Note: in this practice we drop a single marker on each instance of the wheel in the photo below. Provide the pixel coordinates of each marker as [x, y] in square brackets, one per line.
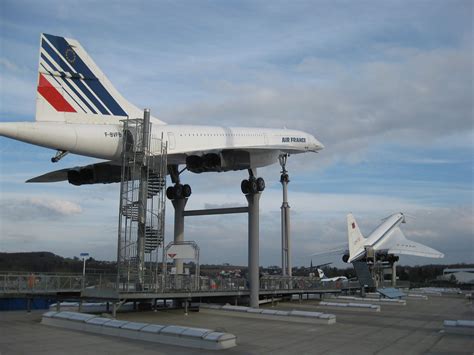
[244, 186]
[260, 184]
[253, 188]
[186, 191]
[170, 192]
[178, 191]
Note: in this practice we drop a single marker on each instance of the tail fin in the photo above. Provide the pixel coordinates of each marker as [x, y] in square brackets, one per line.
[321, 274]
[355, 238]
[72, 88]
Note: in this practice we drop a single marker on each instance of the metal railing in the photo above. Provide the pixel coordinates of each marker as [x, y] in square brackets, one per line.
[49, 283]
[39, 282]
[188, 283]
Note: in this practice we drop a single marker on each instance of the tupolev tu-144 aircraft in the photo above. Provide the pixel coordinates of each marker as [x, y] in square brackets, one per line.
[79, 111]
[387, 239]
[385, 243]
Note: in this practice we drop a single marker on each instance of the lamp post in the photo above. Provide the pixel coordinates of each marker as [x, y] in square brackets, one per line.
[84, 256]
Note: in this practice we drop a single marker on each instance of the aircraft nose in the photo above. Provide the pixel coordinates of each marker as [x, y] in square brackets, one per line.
[317, 145]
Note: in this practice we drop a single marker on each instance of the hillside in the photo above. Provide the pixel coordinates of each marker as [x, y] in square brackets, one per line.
[44, 261]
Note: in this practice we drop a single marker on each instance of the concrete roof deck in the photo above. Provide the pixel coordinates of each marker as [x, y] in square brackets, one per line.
[416, 328]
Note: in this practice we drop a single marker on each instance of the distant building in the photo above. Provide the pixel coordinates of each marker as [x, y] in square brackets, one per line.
[461, 275]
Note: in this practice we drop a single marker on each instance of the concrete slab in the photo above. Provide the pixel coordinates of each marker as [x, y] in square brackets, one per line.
[357, 307]
[459, 326]
[371, 300]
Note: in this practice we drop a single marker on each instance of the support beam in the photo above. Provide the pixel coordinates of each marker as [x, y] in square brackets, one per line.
[214, 211]
[253, 248]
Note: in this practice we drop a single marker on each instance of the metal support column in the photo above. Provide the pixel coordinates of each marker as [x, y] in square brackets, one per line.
[394, 274]
[253, 253]
[179, 204]
[285, 220]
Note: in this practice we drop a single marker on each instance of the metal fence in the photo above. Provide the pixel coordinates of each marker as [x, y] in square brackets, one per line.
[44, 282]
[39, 283]
[187, 283]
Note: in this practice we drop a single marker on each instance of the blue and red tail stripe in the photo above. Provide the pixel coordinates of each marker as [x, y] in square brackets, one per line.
[69, 85]
[60, 84]
[74, 77]
[53, 96]
[81, 75]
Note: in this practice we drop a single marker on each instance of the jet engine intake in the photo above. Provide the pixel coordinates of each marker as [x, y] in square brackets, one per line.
[195, 164]
[208, 162]
[211, 161]
[225, 161]
[94, 174]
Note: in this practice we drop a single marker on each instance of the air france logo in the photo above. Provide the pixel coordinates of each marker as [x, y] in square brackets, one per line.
[293, 140]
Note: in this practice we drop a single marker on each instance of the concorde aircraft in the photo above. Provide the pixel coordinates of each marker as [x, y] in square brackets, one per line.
[386, 240]
[79, 111]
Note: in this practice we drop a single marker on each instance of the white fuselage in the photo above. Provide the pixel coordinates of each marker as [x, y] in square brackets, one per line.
[105, 141]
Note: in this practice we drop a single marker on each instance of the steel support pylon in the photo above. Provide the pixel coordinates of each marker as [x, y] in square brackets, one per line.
[253, 247]
[285, 219]
[394, 274]
[179, 204]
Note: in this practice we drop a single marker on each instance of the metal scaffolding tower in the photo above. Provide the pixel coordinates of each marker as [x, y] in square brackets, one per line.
[142, 206]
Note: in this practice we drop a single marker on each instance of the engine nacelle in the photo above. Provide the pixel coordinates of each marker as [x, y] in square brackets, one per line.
[212, 161]
[95, 174]
[195, 164]
[392, 258]
[225, 161]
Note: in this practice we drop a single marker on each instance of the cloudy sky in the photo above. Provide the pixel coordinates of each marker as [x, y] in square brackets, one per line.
[386, 86]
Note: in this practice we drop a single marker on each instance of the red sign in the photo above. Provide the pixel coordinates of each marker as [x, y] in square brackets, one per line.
[172, 255]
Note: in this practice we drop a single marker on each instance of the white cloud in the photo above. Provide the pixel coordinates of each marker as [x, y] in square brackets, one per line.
[61, 207]
[38, 207]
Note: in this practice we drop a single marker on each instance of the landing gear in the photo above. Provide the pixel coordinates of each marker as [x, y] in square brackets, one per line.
[59, 155]
[252, 185]
[178, 191]
[178, 194]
